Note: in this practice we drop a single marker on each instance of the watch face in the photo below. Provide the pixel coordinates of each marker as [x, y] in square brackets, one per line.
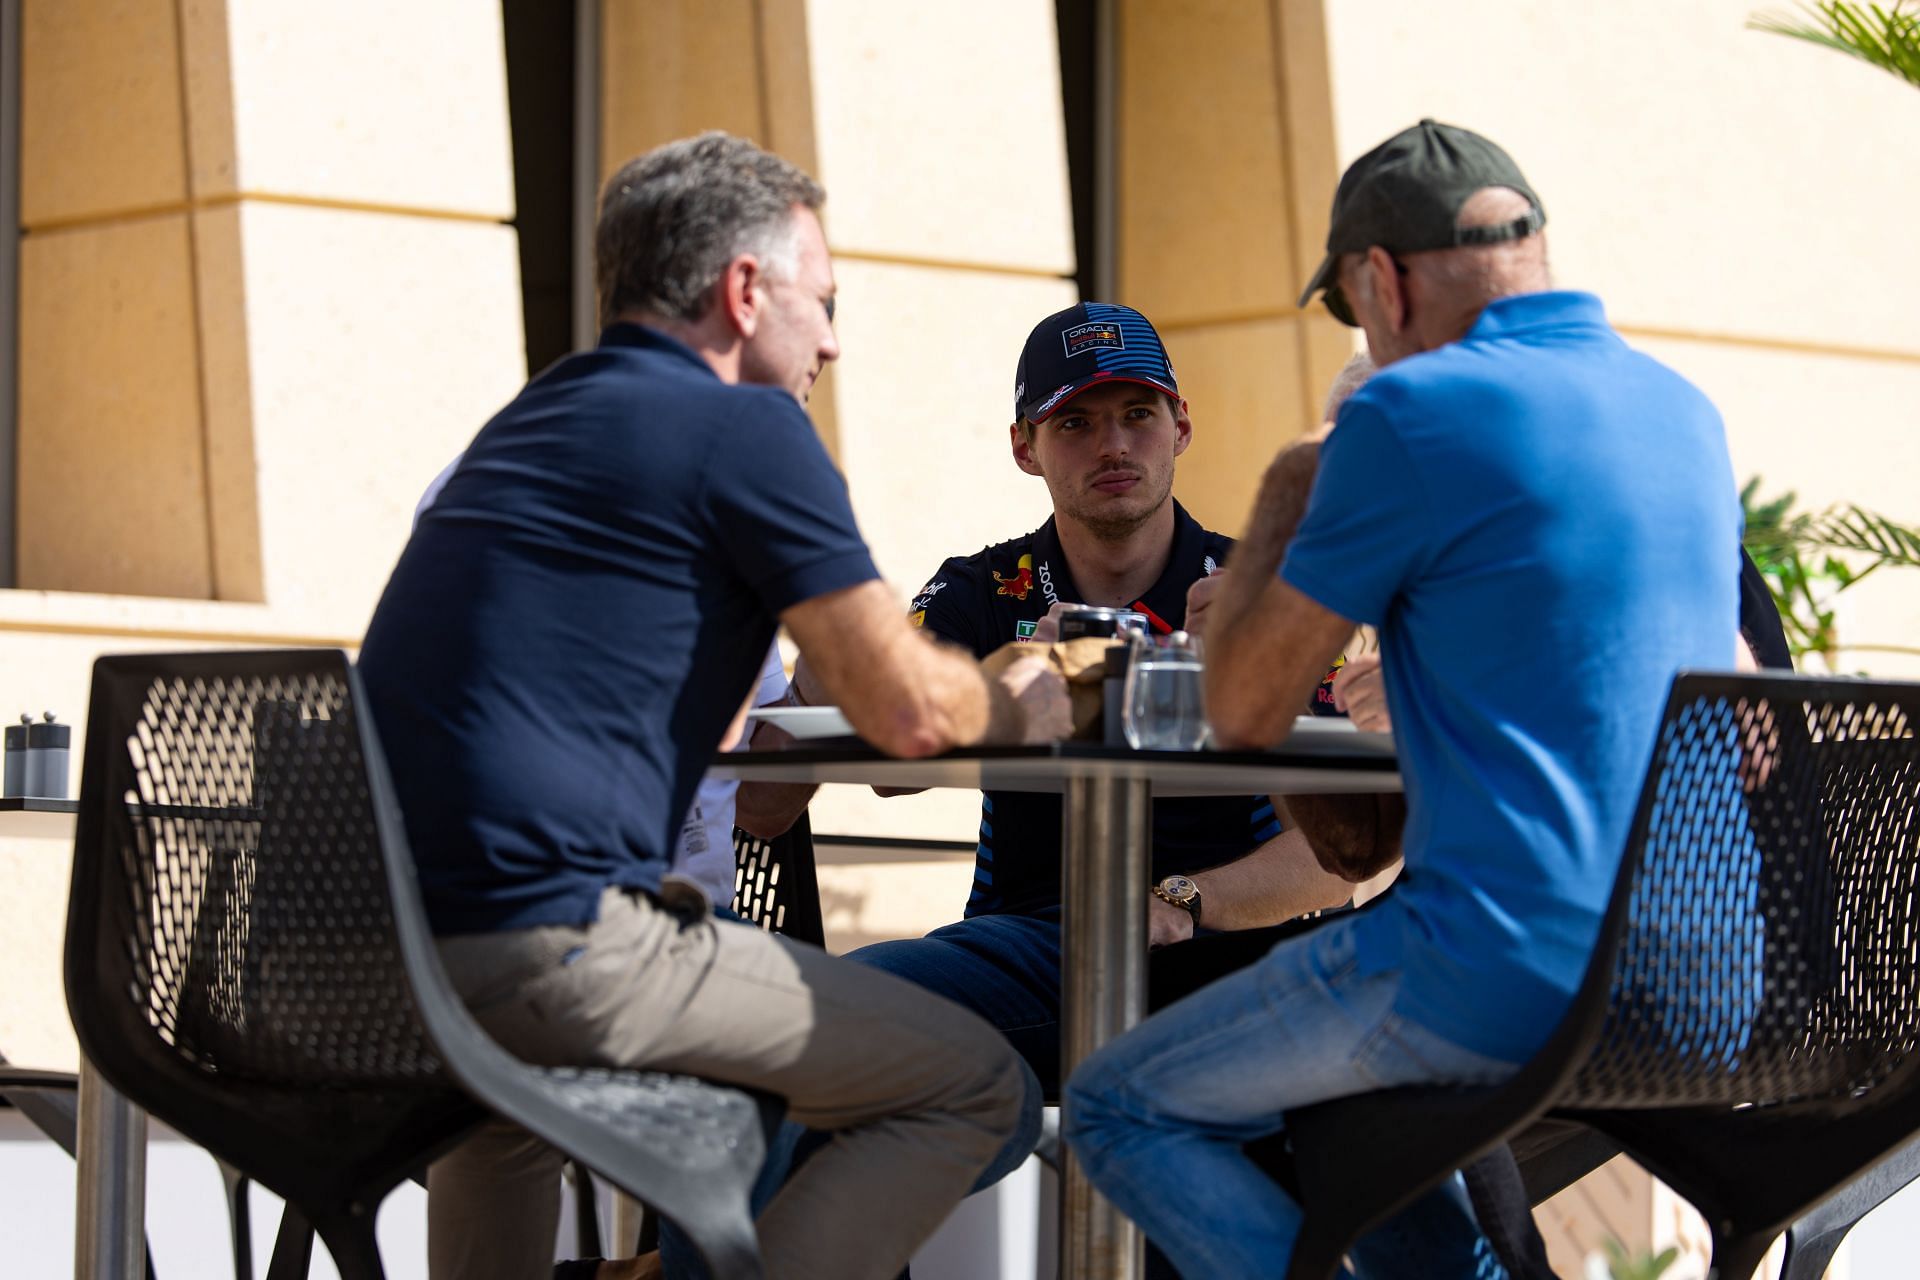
[1179, 887]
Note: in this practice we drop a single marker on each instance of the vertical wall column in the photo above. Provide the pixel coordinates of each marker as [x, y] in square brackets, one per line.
[1226, 174]
[268, 290]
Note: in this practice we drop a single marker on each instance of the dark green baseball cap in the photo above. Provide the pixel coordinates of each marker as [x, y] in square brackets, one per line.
[1405, 196]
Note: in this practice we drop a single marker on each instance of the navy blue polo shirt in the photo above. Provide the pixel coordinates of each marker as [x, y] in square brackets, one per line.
[576, 619]
[999, 594]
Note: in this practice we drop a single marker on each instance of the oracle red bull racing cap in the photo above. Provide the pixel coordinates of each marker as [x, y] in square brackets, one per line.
[1091, 342]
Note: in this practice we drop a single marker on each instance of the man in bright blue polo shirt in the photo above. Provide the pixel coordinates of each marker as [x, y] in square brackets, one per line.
[1537, 519]
[559, 651]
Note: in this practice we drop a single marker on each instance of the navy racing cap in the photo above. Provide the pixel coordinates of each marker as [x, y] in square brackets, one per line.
[1091, 342]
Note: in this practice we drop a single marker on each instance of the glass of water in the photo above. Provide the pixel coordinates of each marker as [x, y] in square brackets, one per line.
[1165, 707]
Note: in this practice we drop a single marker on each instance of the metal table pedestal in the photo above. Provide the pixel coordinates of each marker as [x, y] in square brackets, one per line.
[1104, 859]
[110, 1240]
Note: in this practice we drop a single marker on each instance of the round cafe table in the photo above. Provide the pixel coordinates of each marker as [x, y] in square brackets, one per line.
[1105, 837]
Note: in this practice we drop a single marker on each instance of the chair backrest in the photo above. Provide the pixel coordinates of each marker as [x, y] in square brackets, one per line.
[1766, 946]
[230, 908]
[775, 885]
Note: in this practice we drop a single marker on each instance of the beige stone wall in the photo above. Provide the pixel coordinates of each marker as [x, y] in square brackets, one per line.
[211, 195]
[267, 290]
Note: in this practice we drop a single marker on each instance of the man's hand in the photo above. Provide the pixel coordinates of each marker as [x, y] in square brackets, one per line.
[1360, 690]
[1166, 923]
[1041, 693]
[1047, 630]
[1200, 598]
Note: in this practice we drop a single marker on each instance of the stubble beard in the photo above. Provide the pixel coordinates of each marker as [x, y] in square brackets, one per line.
[1109, 525]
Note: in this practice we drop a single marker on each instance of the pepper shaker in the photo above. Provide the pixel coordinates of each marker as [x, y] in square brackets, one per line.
[16, 759]
[48, 745]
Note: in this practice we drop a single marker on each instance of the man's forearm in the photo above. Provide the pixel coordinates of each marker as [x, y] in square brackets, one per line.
[1282, 503]
[1268, 644]
[1271, 885]
[1277, 510]
[767, 809]
[1354, 837]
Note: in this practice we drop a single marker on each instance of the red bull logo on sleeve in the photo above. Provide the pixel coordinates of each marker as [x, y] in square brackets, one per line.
[1020, 584]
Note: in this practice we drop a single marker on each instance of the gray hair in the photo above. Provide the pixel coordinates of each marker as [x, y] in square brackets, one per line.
[672, 219]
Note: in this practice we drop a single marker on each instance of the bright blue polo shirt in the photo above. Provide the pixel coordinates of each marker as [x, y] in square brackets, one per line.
[1539, 520]
[578, 616]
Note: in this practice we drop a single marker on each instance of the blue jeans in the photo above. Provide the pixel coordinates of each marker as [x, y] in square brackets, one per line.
[1158, 1118]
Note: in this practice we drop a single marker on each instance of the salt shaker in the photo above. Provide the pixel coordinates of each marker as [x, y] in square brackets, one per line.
[16, 759]
[48, 745]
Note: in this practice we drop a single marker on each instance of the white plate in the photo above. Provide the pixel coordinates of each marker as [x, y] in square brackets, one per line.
[1336, 734]
[805, 722]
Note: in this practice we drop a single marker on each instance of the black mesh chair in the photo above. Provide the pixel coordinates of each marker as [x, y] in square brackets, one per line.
[1746, 1028]
[775, 885]
[230, 962]
[247, 958]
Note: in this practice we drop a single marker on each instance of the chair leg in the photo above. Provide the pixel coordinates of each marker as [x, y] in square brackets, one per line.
[355, 1248]
[1738, 1257]
[731, 1252]
[649, 1232]
[1315, 1257]
[239, 1219]
[586, 1214]
[292, 1248]
[1809, 1255]
[1048, 1147]
[718, 1223]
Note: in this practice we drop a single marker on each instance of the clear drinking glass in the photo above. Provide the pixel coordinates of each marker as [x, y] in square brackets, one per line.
[1165, 707]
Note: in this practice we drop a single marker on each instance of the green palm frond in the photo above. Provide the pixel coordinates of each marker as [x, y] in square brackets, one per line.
[1885, 37]
[1623, 1265]
[1854, 528]
[1808, 558]
[1773, 531]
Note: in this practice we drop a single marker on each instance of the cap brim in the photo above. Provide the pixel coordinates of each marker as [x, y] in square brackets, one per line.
[1060, 399]
[1329, 267]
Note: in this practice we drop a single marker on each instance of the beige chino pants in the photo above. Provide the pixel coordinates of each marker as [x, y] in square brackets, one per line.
[919, 1092]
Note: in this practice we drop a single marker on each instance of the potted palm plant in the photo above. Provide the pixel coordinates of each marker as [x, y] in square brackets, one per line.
[1809, 558]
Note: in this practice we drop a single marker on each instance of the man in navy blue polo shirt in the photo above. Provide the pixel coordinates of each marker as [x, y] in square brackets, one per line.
[559, 651]
[1485, 500]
